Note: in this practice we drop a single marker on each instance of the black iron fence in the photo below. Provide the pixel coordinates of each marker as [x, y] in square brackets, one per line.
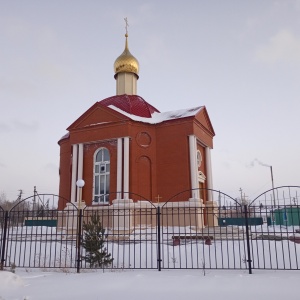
[222, 233]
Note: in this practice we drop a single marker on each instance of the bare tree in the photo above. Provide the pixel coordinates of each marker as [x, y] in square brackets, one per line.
[4, 202]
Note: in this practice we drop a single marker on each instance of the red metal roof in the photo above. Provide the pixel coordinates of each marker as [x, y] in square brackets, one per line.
[132, 104]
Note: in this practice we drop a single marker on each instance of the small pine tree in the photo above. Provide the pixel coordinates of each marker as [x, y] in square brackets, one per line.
[93, 243]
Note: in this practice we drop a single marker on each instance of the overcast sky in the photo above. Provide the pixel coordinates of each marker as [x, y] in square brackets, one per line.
[241, 59]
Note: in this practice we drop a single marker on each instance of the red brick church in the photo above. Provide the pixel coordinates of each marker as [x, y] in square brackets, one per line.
[124, 148]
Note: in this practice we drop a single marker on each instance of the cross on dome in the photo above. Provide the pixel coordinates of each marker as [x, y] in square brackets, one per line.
[126, 62]
[126, 26]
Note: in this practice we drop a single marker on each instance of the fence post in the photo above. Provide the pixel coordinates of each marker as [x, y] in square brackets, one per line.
[158, 214]
[4, 240]
[248, 239]
[79, 226]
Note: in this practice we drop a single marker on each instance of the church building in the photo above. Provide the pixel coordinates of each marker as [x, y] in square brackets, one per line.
[125, 149]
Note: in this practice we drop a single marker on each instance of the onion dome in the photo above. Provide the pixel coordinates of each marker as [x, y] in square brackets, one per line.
[131, 104]
[126, 62]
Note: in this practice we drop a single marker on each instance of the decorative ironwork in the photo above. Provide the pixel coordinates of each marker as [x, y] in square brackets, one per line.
[141, 234]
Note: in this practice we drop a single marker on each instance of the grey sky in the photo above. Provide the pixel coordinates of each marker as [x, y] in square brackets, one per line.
[241, 59]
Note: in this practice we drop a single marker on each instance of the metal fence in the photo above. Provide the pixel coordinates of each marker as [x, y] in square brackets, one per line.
[224, 234]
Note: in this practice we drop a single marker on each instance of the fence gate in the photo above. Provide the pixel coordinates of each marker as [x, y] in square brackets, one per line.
[275, 242]
[195, 236]
[40, 236]
[130, 234]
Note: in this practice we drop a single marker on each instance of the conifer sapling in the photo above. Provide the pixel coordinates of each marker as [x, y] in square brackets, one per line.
[93, 243]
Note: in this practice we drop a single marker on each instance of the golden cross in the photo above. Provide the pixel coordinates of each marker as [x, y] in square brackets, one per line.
[158, 197]
[126, 25]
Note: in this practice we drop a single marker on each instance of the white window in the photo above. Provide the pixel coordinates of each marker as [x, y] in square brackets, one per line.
[101, 176]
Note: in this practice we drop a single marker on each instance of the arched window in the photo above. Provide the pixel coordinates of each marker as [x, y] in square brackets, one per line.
[101, 176]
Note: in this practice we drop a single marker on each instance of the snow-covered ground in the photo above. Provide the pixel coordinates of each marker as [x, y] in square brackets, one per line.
[64, 283]
[44, 247]
[150, 284]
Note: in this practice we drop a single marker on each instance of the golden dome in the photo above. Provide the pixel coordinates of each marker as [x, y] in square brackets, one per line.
[126, 62]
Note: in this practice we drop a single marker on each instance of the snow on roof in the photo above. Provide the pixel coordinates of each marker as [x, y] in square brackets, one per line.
[159, 117]
[88, 125]
[156, 117]
[131, 104]
[65, 136]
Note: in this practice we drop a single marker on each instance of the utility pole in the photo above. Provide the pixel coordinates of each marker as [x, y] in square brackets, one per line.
[241, 195]
[20, 195]
[34, 194]
[273, 186]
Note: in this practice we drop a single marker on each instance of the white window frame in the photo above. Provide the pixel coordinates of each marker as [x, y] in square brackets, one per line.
[101, 169]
